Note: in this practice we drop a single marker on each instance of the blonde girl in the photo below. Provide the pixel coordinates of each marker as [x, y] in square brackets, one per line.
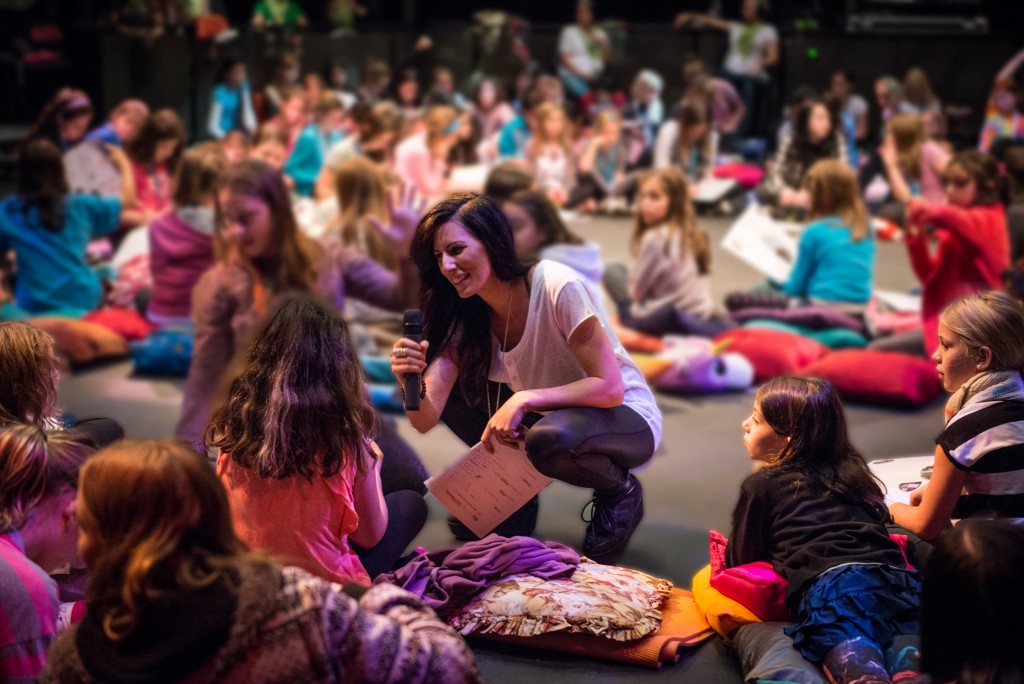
[549, 152]
[836, 255]
[978, 470]
[913, 164]
[362, 200]
[422, 159]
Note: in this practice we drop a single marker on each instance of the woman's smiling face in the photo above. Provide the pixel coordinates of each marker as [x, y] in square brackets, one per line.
[462, 258]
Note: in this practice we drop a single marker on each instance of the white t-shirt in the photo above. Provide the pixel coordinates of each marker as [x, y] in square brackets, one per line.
[559, 303]
[749, 64]
[856, 107]
[573, 42]
[341, 152]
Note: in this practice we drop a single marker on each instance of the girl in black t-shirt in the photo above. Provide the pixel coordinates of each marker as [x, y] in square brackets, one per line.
[815, 512]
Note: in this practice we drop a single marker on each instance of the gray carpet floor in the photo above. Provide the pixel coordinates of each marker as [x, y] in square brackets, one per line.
[690, 485]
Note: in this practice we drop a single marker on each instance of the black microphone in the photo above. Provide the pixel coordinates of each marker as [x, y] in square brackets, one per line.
[412, 328]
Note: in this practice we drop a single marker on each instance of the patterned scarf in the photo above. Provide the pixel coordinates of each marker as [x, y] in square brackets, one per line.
[988, 386]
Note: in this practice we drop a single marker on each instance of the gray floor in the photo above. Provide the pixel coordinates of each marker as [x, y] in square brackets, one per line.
[690, 485]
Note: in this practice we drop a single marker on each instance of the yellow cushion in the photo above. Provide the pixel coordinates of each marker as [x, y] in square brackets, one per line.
[651, 366]
[723, 614]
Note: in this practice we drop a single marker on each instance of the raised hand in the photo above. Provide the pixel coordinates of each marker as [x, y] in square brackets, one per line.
[405, 208]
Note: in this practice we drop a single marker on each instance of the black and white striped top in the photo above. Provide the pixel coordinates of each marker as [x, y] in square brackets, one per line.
[986, 441]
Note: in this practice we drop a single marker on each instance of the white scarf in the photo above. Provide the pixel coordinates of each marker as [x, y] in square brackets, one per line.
[986, 386]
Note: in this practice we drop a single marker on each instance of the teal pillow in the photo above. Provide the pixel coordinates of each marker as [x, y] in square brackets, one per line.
[378, 369]
[833, 338]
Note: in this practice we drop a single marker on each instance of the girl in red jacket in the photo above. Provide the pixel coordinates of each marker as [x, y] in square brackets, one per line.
[972, 247]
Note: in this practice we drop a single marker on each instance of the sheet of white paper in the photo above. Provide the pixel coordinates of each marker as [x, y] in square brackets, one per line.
[467, 178]
[712, 190]
[906, 471]
[482, 489]
[900, 301]
[135, 243]
[756, 240]
[89, 170]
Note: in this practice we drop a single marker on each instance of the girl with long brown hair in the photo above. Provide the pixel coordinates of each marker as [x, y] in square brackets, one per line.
[814, 511]
[174, 591]
[688, 142]
[295, 451]
[260, 254]
[669, 284]
[155, 152]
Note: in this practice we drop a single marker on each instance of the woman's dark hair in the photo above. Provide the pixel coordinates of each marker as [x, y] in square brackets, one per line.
[507, 179]
[545, 216]
[971, 604]
[299, 405]
[161, 125]
[807, 150]
[66, 105]
[808, 411]
[991, 186]
[42, 183]
[450, 319]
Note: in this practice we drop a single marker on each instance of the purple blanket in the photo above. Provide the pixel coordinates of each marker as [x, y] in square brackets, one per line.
[446, 580]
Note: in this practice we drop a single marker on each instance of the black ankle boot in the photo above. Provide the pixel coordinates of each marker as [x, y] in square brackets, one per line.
[615, 517]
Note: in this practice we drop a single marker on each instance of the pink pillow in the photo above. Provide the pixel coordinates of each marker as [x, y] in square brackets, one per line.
[773, 353]
[756, 586]
[747, 175]
[879, 377]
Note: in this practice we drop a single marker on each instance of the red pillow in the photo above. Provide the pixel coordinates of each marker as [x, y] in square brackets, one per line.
[773, 353]
[127, 323]
[879, 377]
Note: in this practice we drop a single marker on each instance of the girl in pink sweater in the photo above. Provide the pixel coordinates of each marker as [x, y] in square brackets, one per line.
[181, 241]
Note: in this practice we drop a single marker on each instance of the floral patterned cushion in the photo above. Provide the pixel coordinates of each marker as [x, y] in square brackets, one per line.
[604, 600]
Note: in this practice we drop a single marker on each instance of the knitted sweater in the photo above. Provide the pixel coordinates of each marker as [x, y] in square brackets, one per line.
[972, 251]
[287, 626]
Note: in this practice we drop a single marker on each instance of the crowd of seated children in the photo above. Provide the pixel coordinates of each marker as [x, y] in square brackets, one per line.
[229, 259]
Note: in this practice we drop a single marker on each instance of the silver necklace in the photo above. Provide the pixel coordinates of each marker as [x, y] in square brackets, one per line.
[501, 350]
